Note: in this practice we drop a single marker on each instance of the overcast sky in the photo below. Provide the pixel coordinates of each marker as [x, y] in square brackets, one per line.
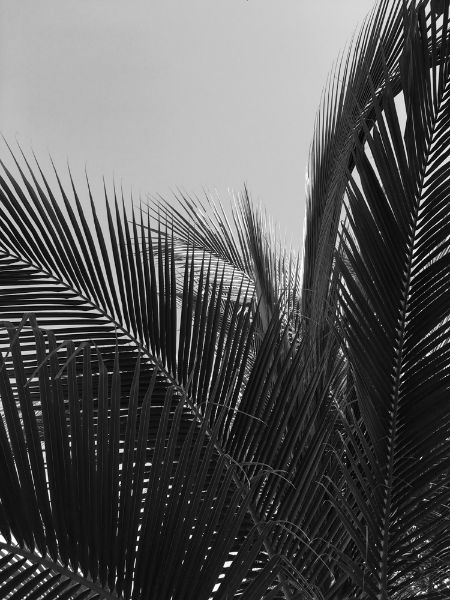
[160, 94]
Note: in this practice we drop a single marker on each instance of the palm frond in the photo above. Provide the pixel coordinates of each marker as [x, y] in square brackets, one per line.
[103, 506]
[394, 300]
[346, 106]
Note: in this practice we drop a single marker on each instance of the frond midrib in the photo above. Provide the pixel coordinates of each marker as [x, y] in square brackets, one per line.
[402, 323]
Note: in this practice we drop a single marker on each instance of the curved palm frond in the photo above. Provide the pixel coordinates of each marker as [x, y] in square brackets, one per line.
[394, 294]
[347, 109]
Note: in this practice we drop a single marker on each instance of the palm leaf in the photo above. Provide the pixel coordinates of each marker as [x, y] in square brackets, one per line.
[116, 504]
[234, 375]
[394, 299]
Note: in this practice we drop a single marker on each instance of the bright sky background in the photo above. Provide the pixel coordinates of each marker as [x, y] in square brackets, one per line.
[160, 94]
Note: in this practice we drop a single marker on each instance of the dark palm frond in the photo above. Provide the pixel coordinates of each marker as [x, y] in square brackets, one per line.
[100, 507]
[88, 283]
[346, 106]
[246, 246]
[130, 301]
[243, 382]
[217, 358]
[285, 388]
[394, 295]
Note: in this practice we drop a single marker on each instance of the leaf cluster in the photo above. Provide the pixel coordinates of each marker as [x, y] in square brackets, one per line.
[188, 410]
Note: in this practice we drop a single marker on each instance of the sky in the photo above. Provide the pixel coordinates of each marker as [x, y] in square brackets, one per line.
[160, 95]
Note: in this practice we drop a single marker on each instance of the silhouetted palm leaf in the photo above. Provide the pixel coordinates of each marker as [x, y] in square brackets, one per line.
[98, 503]
[394, 295]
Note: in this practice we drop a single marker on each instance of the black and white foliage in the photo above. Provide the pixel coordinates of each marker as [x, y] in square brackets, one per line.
[188, 410]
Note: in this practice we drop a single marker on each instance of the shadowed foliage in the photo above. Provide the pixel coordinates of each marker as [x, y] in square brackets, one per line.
[188, 410]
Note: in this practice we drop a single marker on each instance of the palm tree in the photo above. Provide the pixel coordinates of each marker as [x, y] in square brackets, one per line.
[190, 411]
